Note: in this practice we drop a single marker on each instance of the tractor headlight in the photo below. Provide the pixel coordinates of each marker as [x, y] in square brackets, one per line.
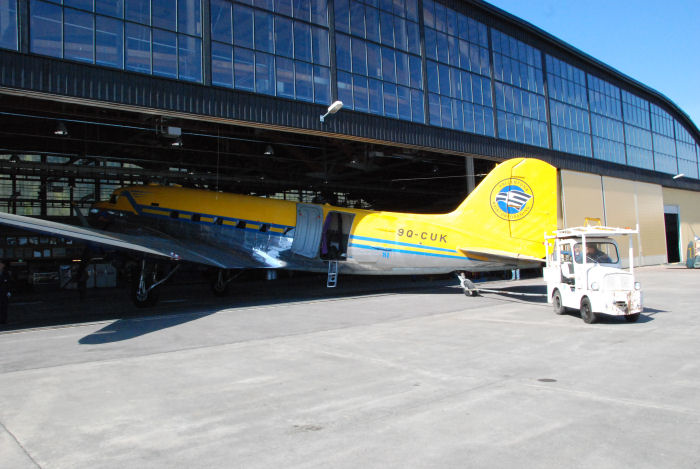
[637, 286]
[595, 286]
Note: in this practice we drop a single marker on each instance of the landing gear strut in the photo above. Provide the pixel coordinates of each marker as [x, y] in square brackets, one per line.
[143, 291]
[220, 286]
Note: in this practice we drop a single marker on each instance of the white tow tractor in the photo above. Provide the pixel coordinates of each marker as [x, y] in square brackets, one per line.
[584, 272]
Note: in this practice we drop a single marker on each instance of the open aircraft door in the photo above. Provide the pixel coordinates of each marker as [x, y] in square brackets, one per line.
[307, 234]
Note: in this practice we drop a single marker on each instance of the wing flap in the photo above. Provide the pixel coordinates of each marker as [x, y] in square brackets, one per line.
[501, 257]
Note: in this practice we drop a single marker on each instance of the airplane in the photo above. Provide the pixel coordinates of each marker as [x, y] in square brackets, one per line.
[500, 225]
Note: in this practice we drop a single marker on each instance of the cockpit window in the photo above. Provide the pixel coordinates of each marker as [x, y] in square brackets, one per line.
[600, 252]
[113, 198]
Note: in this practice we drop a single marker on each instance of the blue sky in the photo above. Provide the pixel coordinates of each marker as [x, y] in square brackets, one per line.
[654, 42]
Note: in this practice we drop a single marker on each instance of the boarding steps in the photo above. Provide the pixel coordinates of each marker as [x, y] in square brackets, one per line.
[332, 274]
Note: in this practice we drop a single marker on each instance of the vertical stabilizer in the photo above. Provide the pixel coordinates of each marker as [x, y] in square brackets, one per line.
[512, 208]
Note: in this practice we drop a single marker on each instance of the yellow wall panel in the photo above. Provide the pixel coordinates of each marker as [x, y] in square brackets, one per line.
[650, 212]
[582, 196]
[621, 211]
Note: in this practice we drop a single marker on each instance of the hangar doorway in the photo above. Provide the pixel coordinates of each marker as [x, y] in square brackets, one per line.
[672, 221]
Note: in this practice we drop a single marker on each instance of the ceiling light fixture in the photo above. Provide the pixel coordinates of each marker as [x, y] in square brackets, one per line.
[61, 130]
[269, 151]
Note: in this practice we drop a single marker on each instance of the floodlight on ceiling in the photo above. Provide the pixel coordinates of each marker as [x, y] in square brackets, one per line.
[61, 130]
[269, 151]
[678, 176]
[332, 109]
[177, 142]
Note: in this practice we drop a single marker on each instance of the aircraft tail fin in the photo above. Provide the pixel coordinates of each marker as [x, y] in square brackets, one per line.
[511, 209]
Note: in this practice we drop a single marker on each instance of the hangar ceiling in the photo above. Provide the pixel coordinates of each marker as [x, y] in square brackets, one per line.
[103, 143]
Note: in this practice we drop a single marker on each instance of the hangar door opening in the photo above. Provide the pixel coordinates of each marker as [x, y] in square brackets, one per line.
[672, 221]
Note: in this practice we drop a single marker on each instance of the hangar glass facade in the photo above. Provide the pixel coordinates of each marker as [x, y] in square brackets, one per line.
[431, 65]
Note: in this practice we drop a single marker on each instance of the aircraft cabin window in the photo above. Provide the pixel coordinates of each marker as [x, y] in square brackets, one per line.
[113, 199]
[218, 221]
[175, 215]
[240, 224]
[195, 217]
[265, 228]
[155, 204]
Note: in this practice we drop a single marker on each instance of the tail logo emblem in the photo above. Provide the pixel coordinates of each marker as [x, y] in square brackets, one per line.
[512, 199]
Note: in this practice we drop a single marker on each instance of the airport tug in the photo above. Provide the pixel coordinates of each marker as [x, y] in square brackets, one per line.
[583, 271]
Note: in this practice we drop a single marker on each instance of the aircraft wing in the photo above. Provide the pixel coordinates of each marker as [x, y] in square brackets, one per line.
[151, 244]
[502, 257]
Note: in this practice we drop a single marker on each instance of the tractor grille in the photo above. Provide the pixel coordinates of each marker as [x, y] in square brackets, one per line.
[618, 282]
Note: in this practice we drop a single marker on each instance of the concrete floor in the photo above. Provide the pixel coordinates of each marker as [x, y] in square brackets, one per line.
[414, 378]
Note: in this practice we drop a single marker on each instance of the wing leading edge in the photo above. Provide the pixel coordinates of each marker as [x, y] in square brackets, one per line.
[158, 246]
[508, 259]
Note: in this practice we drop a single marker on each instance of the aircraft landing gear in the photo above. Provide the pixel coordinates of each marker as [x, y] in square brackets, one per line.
[220, 285]
[143, 290]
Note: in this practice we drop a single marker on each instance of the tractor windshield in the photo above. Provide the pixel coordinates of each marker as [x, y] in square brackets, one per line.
[603, 252]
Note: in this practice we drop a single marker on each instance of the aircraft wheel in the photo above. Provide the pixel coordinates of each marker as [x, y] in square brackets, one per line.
[220, 285]
[632, 317]
[141, 295]
[587, 314]
[556, 303]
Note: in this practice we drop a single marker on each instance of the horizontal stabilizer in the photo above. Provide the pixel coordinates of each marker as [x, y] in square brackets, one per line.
[502, 257]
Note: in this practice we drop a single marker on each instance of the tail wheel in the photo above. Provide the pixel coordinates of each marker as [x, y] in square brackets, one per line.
[587, 314]
[556, 303]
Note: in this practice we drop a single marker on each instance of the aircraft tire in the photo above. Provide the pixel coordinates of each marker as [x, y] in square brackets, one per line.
[587, 314]
[556, 303]
[632, 317]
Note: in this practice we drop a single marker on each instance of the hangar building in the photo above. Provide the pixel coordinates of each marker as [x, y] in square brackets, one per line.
[227, 94]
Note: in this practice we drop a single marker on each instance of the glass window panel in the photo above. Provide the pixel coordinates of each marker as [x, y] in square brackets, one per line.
[376, 102]
[302, 41]
[138, 48]
[412, 10]
[285, 77]
[434, 109]
[78, 30]
[243, 69]
[446, 111]
[284, 44]
[444, 72]
[164, 14]
[303, 79]
[82, 4]
[345, 88]
[319, 43]
[46, 29]
[359, 57]
[138, 11]
[400, 34]
[189, 17]
[164, 53]
[360, 93]
[386, 5]
[322, 85]
[264, 73]
[221, 64]
[403, 76]
[302, 9]
[442, 48]
[342, 15]
[430, 44]
[110, 7]
[374, 61]
[433, 77]
[388, 63]
[429, 13]
[221, 21]
[265, 4]
[190, 51]
[416, 71]
[390, 101]
[284, 7]
[357, 19]
[404, 102]
[417, 111]
[440, 13]
[242, 26]
[319, 12]
[372, 24]
[413, 37]
[263, 31]
[342, 52]
[109, 38]
[386, 24]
